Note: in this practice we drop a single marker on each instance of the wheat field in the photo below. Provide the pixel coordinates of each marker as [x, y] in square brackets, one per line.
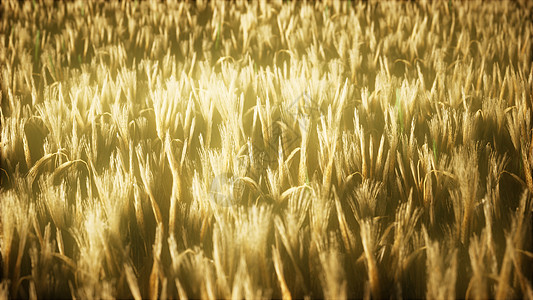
[266, 149]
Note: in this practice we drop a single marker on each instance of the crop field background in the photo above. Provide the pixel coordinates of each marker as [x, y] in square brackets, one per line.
[266, 149]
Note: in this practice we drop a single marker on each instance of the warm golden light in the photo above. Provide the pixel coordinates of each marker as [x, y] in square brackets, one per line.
[266, 149]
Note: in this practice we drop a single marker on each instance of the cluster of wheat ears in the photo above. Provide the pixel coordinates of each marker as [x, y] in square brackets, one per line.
[266, 149]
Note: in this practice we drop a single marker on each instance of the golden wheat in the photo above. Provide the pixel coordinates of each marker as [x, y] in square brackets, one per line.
[266, 149]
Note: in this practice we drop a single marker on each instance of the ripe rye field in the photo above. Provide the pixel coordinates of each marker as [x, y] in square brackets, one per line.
[266, 149]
